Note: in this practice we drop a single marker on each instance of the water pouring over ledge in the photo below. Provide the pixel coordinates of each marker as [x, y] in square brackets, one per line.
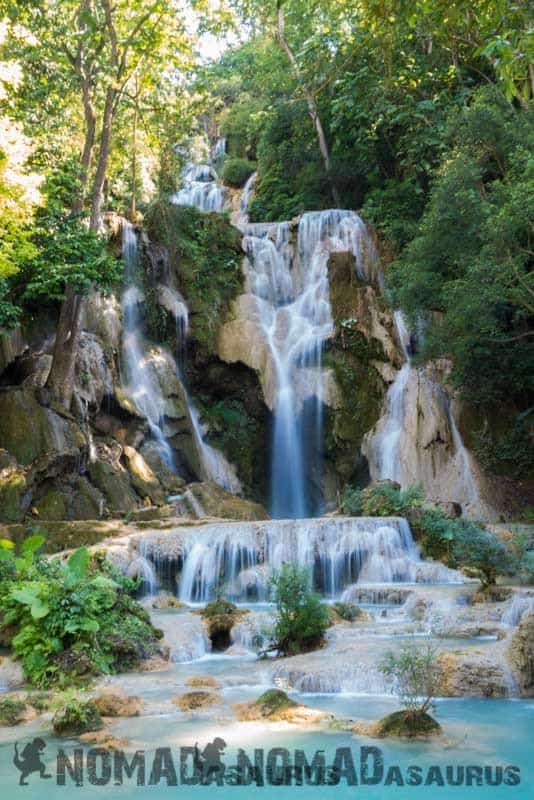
[290, 285]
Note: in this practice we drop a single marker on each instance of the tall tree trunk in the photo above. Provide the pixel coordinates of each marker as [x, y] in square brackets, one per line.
[133, 208]
[102, 163]
[312, 105]
[61, 378]
[89, 142]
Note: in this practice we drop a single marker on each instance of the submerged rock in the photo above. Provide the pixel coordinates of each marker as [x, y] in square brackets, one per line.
[110, 704]
[275, 706]
[15, 709]
[192, 701]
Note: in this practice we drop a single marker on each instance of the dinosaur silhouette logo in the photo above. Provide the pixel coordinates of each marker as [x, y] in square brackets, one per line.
[208, 764]
[30, 760]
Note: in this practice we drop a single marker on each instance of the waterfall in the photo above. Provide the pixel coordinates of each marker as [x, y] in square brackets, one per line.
[387, 444]
[141, 383]
[214, 465]
[200, 189]
[292, 296]
[241, 217]
[239, 558]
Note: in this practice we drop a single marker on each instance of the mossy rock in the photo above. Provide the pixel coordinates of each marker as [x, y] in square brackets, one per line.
[13, 486]
[28, 429]
[273, 701]
[409, 725]
[77, 717]
[114, 485]
[13, 710]
[52, 506]
[218, 607]
[110, 704]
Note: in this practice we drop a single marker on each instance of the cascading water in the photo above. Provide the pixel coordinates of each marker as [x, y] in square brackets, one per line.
[292, 298]
[241, 218]
[388, 440]
[240, 557]
[141, 383]
[200, 189]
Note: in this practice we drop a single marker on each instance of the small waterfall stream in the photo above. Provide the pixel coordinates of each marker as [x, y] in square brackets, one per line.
[141, 383]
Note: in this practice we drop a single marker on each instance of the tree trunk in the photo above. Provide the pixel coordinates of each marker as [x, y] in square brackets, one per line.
[61, 378]
[102, 163]
[133, 208]
[312, 106]
[87, 154]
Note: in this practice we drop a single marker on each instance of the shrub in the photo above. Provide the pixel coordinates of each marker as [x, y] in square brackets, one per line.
[416, 675]
[302, 619]
[274, 700]
[71, 620]
[351, 502]
[236, 171]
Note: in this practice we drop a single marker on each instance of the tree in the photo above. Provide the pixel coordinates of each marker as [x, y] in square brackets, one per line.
[113, 43]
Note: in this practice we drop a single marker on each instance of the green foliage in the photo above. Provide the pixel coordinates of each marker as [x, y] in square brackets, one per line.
[416, 675]
[206, 255]
[77, 716]
[351, 502]
[234, 431]
[384, 500]
[11, 710]
[509, 452]
[73, 619]
[301, 619]
[236, 171]
[472, 257]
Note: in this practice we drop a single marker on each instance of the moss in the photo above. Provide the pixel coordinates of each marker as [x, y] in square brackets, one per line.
[273, 701]
[12, 489]
[205, 255]
[218, 607]
[77, 717]
[52, 506]
[12, 710]
[409, 724]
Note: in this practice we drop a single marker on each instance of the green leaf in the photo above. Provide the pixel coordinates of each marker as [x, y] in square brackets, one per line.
[27, 596]
[33, 543]
[39, 609]
[6, 544]
[78, 563]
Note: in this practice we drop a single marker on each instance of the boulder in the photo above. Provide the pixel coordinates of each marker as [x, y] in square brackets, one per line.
[143, 478]
[275, 706]
[92, 377]
[15, 709]
[77, 717]
[114, 483]
[472, 673]
[103, 318]
[29, 430]
[11, 674]
[521, 655]
[192, 701]
[401, 724]
[109, 704]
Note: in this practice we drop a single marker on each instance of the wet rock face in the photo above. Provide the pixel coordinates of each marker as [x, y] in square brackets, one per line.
[521, 656]
[473, 674]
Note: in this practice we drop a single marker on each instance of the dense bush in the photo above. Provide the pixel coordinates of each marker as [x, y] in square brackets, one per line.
[301, 619]
[458, 542]
[236, 171]
[70, 620]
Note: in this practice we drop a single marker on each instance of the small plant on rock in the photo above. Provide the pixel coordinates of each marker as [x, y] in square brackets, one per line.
[416, 675]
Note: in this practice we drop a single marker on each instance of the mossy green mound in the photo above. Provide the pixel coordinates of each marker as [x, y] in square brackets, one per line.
[77, 717]
[273, 701]
[409, 724]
